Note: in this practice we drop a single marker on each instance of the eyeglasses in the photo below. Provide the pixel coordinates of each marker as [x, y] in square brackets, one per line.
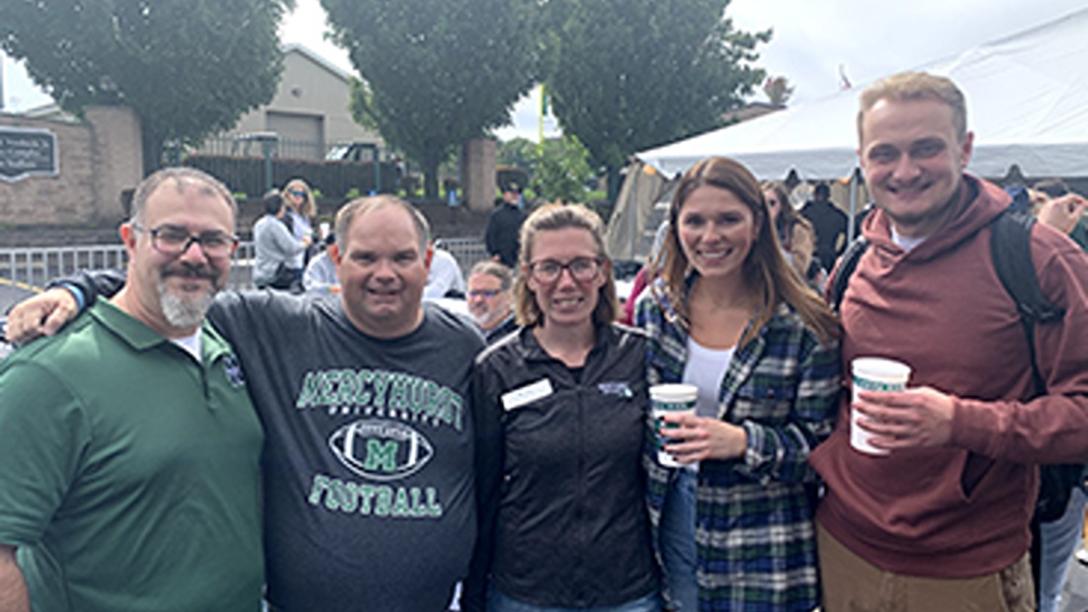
[580, 268]
[298, 193]
[484, 293]
[173, 240]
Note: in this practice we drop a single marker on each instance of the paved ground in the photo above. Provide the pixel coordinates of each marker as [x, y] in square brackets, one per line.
[1075, 595]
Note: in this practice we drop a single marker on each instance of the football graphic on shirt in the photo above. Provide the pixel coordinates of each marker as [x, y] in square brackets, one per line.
[380, 449]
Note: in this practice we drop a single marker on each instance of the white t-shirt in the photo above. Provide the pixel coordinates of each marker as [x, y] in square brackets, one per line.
[191, 344]
[444, 276]
[907, 243]
[705, 369]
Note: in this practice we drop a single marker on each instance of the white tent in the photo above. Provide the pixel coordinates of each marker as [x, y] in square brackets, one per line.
[1027, 102]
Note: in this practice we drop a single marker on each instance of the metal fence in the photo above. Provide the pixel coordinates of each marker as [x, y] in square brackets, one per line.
[36, 266]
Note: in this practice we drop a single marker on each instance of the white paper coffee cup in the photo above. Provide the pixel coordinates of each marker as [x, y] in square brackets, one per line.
[873, 374]
[670, 398]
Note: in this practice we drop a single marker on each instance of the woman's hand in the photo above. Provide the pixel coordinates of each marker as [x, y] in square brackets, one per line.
[700, 438]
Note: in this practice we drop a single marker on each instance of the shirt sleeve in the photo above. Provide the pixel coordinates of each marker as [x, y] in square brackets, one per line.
[44, 434]
[489, 467]
[1049, 428]
[780, 451]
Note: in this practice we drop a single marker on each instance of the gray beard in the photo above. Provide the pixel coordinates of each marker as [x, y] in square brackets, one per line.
[181, 312]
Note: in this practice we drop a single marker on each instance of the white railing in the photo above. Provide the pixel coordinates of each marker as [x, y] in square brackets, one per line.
[36, 266]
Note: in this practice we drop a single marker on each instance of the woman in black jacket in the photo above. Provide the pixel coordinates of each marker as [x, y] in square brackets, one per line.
[560, 413]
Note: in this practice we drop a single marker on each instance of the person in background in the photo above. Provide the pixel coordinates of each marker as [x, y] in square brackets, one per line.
[1053, 204]
[320, 275]
[560, 408]
[729, 315]
[795, 234]
[444, 279]
[941, 521]
[503, 225]
[490, 299]
[1064, 210]
[275, 247]
[130, 477]
[829, 223]
[301, 212]
[645, 274]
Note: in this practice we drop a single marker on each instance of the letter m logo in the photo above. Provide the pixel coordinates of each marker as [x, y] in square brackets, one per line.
[381, 456]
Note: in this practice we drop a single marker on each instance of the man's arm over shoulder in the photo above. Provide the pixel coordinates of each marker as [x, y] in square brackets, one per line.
[13, 594]
[1051, 428]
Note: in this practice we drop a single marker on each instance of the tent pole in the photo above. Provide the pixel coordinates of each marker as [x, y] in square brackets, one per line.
[853, 205]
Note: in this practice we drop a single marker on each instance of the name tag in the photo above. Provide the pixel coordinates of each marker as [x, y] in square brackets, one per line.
[527, 394]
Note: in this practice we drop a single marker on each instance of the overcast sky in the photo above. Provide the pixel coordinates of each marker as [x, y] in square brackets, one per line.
[811, 41]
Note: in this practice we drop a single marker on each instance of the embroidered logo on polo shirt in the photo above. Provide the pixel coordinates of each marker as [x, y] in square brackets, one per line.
[233, 371]
[619, 389]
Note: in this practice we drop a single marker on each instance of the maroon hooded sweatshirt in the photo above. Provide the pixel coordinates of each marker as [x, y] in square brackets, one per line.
[961, 510]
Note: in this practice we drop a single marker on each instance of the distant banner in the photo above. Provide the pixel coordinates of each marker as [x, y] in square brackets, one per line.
[27, 152]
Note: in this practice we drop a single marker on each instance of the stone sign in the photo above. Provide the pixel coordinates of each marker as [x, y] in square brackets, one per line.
[27, 152]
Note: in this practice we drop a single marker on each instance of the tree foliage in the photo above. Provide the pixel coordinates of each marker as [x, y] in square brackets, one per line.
[437, 72]
[778, 90]
[187, 68]
[562, 170]
[625, 75]
[558, 168]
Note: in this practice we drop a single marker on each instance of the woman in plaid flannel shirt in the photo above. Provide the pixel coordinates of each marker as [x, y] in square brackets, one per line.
[730, 315]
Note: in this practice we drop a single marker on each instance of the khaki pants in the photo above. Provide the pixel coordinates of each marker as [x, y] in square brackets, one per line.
[851, 584]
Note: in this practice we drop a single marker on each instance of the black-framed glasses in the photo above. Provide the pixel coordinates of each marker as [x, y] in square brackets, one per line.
[298, 193]
[174, 240]
[580, 268]
[484, 293]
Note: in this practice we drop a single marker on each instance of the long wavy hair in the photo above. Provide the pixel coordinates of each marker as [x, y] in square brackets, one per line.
[766, 270]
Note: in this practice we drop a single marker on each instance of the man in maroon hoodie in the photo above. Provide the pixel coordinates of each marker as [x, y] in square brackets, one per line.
[941, 522]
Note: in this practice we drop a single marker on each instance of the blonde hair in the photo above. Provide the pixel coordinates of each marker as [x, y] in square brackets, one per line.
[553, 217]
[765, 269]
[308, 208]
[917, 86]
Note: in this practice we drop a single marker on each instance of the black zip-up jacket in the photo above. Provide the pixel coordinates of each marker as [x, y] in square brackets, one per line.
[560, 487]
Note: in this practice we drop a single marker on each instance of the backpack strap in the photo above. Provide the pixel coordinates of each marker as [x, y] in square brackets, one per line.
[1010, 246]
[847, 264]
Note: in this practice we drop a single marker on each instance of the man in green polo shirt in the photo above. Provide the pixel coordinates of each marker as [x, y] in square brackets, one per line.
[130, 470]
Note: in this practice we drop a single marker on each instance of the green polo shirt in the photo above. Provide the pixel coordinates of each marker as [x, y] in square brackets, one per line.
[130, 472]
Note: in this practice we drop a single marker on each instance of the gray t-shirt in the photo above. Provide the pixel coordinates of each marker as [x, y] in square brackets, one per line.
[368, 462]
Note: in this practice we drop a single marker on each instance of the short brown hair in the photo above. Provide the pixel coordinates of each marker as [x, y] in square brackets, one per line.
[916, 86]
[182, 176]
[361, 206]
[496, 269]
[553, 217]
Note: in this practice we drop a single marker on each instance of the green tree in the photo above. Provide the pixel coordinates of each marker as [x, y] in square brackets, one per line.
[438, 72]
[561, 170]
[520, 152]
[626, 75]
[187, 68]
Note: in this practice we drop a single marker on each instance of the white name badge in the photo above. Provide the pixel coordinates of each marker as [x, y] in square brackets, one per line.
[527, 394]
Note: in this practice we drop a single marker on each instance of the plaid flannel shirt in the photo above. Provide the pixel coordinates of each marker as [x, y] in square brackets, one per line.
[754, 532]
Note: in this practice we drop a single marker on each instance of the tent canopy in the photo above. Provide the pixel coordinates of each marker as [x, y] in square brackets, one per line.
[1027, 103]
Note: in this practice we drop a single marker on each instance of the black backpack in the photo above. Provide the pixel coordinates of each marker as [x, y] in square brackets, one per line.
[1010, 247]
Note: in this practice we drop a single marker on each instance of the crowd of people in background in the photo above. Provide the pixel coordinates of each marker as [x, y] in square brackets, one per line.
[183, 446]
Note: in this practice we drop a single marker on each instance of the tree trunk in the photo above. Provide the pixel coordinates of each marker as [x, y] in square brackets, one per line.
[430, 179]
[152, 145]
[613, 174]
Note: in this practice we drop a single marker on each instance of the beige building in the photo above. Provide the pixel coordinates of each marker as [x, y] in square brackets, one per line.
[310, 110]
